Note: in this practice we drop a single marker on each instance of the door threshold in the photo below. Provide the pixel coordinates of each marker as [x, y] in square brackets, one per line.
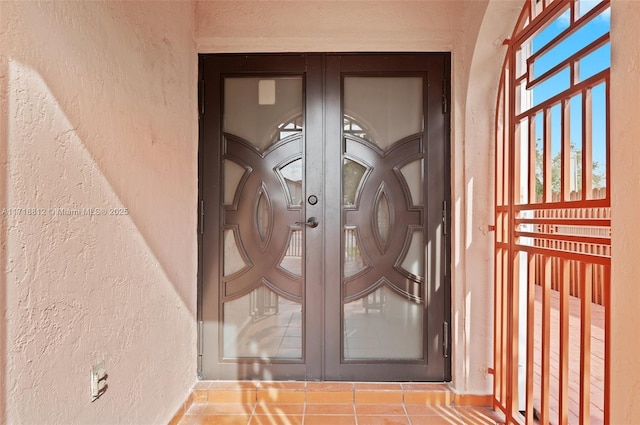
[420, 393]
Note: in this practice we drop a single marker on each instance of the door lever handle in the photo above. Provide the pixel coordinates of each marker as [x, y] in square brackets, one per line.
[311, 222]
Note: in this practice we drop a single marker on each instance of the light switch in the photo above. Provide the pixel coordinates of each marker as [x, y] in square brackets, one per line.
[98, 380]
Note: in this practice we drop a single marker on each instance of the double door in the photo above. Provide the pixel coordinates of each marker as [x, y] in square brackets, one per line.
[324, 185]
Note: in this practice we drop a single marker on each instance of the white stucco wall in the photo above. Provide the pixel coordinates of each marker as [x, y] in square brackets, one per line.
[396, 26]
[98, 111]
[482, 35]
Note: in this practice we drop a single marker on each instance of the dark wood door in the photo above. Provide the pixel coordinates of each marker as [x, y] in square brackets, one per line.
[324, 180]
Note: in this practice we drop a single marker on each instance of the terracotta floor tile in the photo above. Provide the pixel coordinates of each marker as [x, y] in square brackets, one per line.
[332, 403]
[276, 420]
[427, 397]
[329, 397]
[378, 397]
[202, 385]
[425, 410]
[380, 409]
[228, 409]
[197, 409]
[373, 386]
[334, 420]
[276, 395]
[329, 386]
[283, 385]
[383, 420]
[216, 420]
[435, 420]
[426, 386]
[199, 396]
[472, 400]
[231, 396]
[329, 409]
[480, 415]
[279, 409]
[188, 419]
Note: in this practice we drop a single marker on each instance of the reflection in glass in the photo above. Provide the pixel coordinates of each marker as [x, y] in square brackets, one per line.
[233, 260]
[351, 126]
[260, 125]
[264, 325]
[413, 176]
[384, 218]
[352, 177]
[292, 261]
[233, 173]
[292, 176]
[383, 325]
[290, 128]
[263, 214]
[414, 259]
[353, 260]
[390, 108]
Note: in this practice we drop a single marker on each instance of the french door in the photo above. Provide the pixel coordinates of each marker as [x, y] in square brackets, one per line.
[324, 187]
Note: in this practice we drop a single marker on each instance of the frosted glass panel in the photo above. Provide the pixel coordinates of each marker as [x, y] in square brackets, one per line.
[383, 109]
[384, 220]
[262, 324]
[353, 261]
[232, 175]
[383, 325]
[263, 215]
[261, 124]
[233, 260]
[412, 173]
[352, 178]
[414, 259]
[292, 261]
[292, 176]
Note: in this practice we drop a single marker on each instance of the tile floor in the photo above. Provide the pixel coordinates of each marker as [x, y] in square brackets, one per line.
[332, 403]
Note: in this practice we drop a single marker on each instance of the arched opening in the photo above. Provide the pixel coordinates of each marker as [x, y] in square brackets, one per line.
[553, 216]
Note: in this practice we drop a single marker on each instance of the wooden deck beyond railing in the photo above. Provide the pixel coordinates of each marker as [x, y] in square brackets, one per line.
[598, 277]
[597, 360]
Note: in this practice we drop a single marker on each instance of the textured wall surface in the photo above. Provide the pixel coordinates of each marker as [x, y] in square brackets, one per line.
[327, 26]
[480, 55]
[473, 31]
[98, 116]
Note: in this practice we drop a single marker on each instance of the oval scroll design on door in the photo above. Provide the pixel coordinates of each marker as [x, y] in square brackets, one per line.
[262, 216]
[384, 216]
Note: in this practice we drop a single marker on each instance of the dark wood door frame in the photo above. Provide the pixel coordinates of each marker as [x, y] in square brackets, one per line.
[323, 75]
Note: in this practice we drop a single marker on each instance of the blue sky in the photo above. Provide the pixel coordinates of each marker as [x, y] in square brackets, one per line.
[590, 65]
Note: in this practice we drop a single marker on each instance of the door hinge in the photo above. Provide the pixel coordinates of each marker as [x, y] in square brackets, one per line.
[445, 219]
[200, 347]
[201, 217]
[201, 97]
[445, 339]
[445, 100]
